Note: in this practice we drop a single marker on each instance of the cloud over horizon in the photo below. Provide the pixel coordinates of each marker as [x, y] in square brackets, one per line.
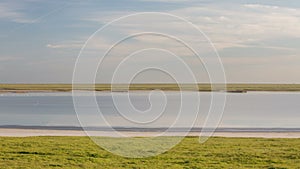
[257, 42]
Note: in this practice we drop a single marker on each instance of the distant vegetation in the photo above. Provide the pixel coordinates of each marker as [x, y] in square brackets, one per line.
[168, 87]
[81, 152]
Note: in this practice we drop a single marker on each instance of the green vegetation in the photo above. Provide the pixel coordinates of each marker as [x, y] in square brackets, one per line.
[169, 87]
[81, 152]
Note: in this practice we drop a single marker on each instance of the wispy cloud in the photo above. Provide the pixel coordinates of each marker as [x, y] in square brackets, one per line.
[241, 24]
[252, 38]
[11, 11]
[237, 25]
[8, 58]
[17, 11]
[66, 45]
[260, 6]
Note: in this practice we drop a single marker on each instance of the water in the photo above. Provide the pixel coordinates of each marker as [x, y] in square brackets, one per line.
[253, 109]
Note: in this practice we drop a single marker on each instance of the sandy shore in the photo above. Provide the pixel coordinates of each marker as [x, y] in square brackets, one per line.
[37, 132]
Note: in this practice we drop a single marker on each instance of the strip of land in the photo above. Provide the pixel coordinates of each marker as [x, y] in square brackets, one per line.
[238, 88]
[10, 132]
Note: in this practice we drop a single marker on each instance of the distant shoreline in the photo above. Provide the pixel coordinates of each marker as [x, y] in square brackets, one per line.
[234, 88]
[29, 131]
[8, 132]
[152, 129]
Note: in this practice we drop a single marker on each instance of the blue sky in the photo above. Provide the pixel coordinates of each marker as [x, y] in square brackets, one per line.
[257, 41]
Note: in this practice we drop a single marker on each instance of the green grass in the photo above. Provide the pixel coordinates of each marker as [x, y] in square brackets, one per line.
[169, 87]
[81, 152]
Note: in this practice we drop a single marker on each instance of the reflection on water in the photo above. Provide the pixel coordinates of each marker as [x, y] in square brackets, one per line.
[254, 109]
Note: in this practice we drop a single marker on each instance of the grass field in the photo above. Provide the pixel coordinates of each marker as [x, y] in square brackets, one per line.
[168, 87]
[81, 152]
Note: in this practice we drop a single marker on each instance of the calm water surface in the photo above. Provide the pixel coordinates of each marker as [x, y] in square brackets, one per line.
[253, 109]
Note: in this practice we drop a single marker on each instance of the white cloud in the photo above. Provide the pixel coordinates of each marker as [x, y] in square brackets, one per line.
[243, 28]
[243, 23]
[234, 26]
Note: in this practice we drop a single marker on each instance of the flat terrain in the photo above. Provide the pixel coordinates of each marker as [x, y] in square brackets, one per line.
[81, 152]
[10, 132]
[23, 88]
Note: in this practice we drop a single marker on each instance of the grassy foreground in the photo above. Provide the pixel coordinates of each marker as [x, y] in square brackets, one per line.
[81, 152]
[168, 87]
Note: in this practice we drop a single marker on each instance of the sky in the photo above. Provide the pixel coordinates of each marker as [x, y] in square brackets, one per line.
[257, 42]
